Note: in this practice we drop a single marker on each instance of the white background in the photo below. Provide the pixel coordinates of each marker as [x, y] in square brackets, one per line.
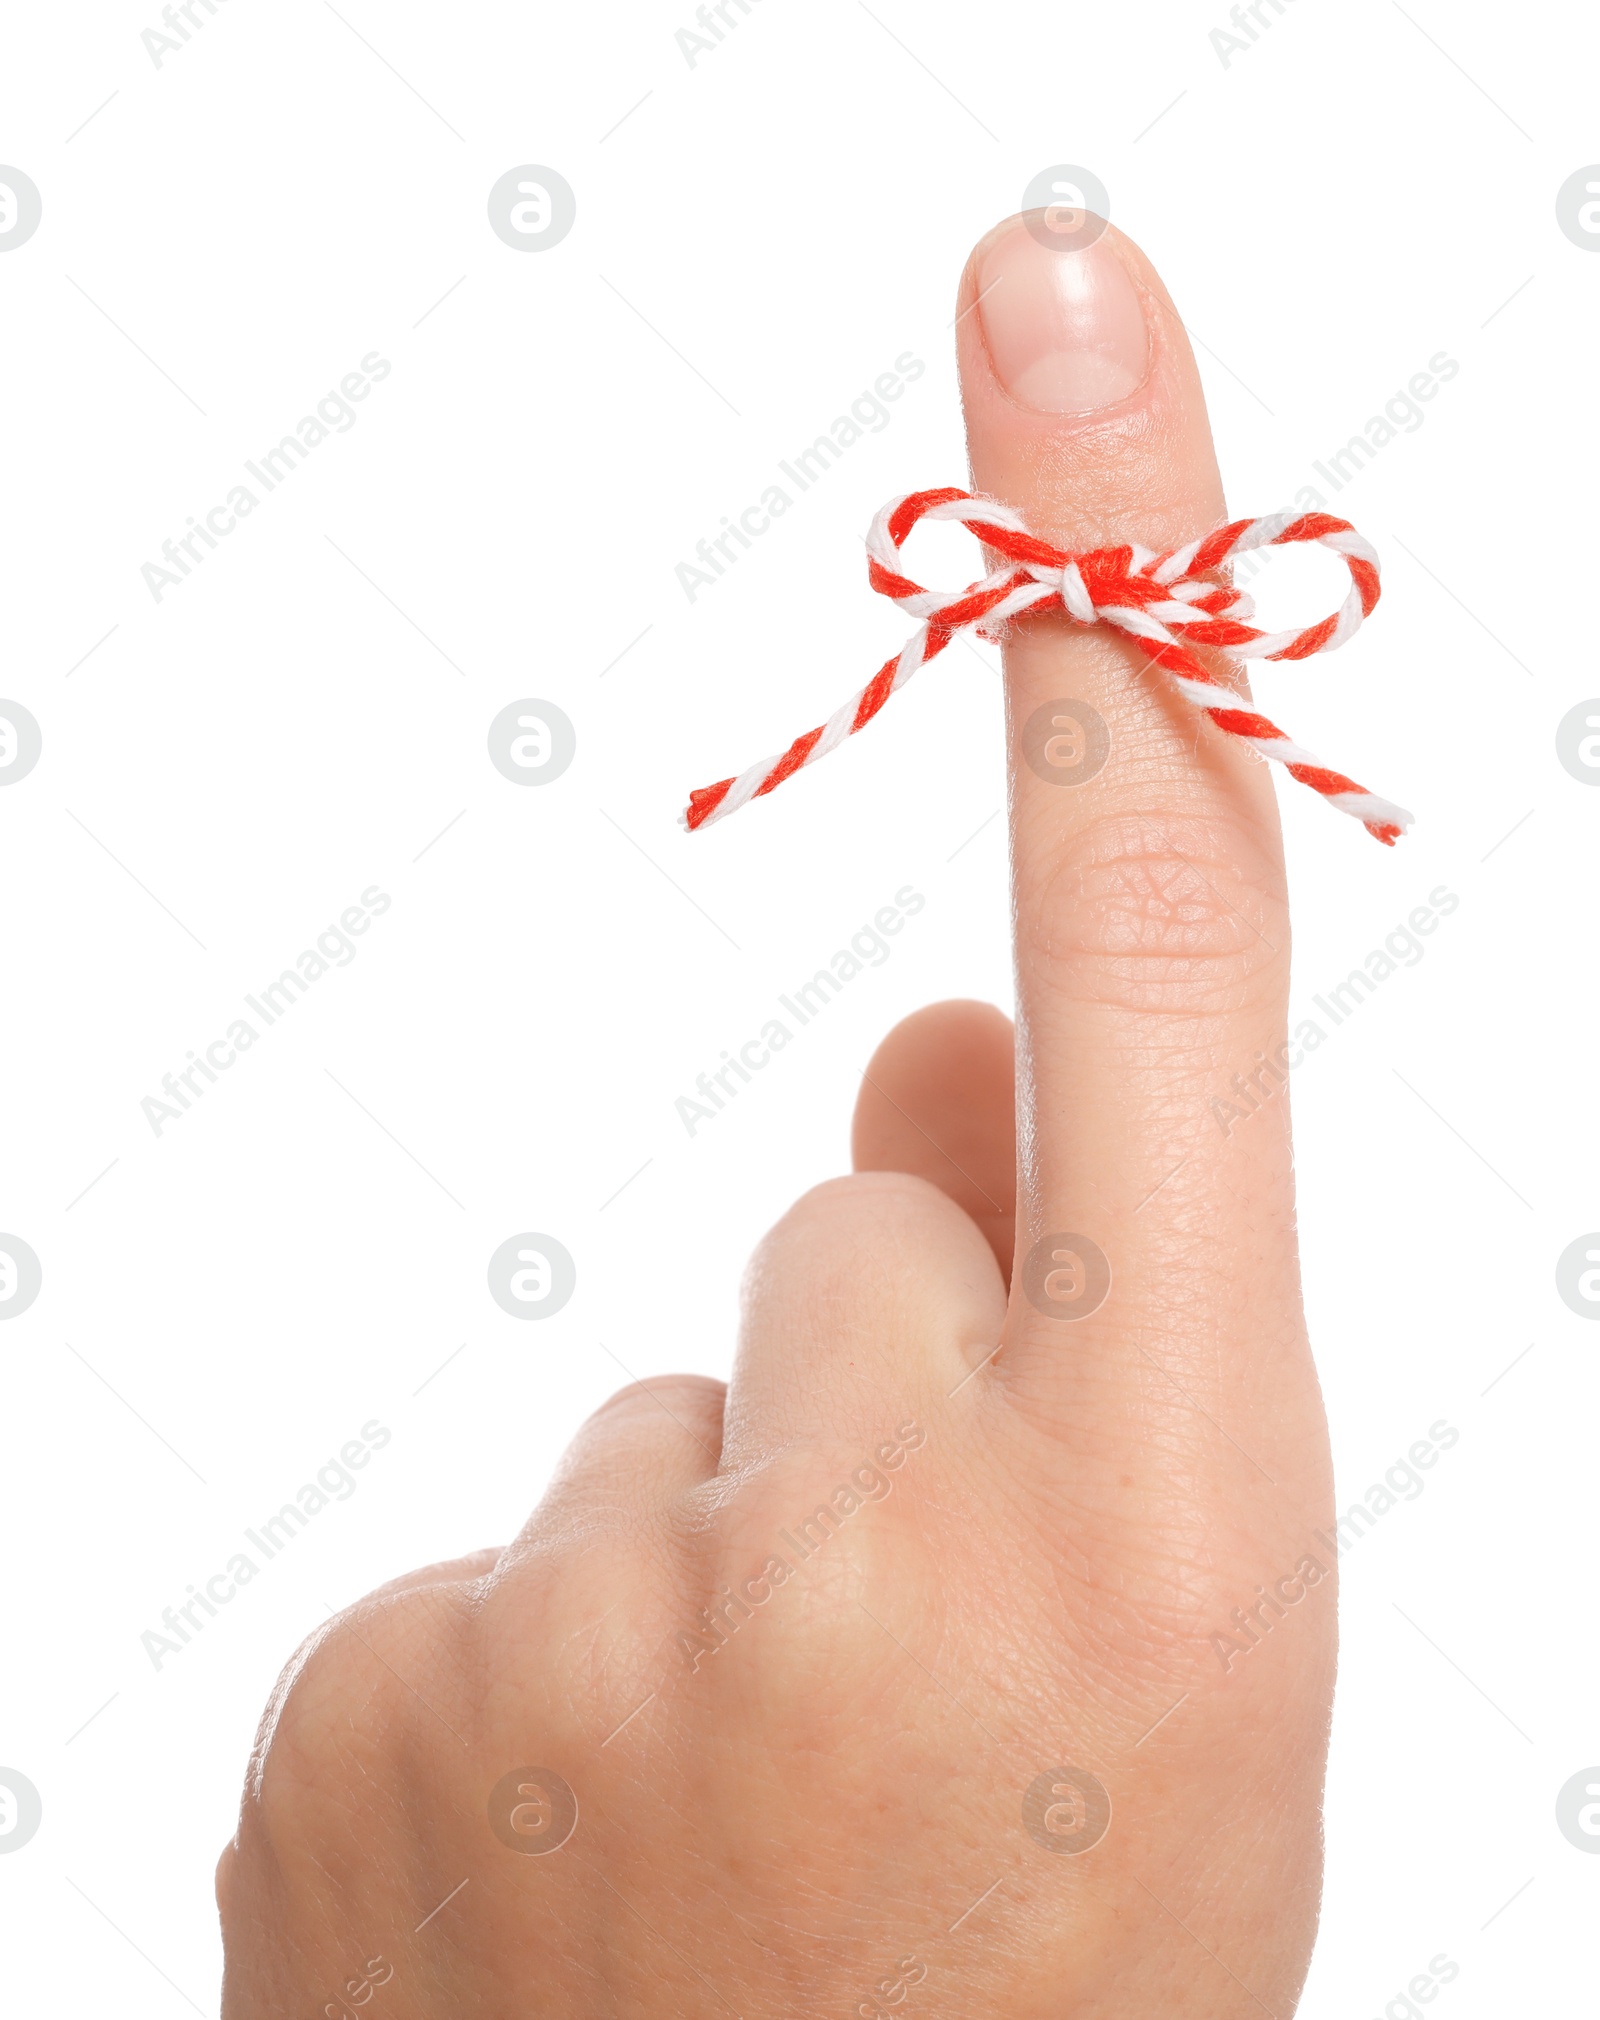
[305, 716]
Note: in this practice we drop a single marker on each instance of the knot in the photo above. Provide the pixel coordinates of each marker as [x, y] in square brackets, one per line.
[1167, 603]
[1075, 595]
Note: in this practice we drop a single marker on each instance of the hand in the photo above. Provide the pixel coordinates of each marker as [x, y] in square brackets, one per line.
[970, 1655]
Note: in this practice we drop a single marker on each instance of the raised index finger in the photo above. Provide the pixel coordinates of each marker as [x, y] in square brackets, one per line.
[1151, 931]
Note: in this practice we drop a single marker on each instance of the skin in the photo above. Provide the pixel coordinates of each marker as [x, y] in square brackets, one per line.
[1049, 1573]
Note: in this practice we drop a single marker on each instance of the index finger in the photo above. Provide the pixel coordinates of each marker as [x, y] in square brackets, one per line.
[1151, 927]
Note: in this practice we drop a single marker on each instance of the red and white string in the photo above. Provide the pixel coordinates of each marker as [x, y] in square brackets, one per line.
[1162, 601]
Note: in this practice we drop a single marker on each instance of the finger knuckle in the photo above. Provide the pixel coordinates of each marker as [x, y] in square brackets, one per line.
[1156, 915]
[693, 1395]
[847, 1221]
[351, 1706]
[878, 1253]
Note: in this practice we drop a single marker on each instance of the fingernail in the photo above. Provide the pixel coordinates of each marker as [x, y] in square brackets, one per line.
[1065, 330]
